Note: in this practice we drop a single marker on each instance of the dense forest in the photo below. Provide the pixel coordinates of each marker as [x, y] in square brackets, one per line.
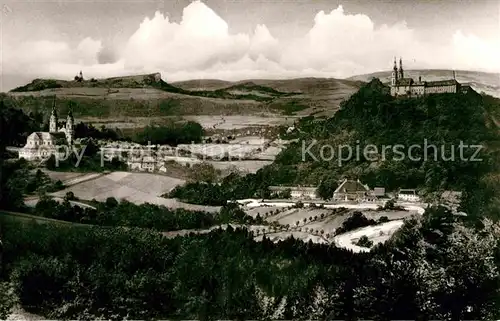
[434, 268]
[149, 216]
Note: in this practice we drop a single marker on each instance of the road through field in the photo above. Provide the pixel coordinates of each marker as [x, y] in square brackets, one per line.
[376, 233]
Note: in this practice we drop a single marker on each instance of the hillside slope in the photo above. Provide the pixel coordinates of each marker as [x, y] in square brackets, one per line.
[121, 99]
[388, 142]
[480, 81]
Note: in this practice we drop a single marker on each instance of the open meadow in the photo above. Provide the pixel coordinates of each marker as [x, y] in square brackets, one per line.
[137, 188]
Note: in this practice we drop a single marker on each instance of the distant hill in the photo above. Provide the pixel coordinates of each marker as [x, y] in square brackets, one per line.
[136, 81]
[480, 81]
[148, 96]
[321, 96]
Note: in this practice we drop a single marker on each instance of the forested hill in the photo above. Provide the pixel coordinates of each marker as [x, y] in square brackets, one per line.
[372, 116]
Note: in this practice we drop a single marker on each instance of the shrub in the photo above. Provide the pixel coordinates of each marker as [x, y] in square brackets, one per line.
[364, 241]
[383, 219]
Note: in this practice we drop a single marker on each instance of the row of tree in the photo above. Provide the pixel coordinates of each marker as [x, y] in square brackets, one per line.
[148, 216]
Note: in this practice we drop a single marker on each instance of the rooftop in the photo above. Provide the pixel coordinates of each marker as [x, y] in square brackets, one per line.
[407, 191]
[449, 82]
[351, 186]
[292, 188]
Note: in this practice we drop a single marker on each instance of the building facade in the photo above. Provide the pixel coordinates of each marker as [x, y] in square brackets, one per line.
[40, 145]
[402, 86]
[408, 195]
[297, 192]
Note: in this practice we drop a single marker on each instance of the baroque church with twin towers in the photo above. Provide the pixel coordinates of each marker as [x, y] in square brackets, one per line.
[407, 87]
[40, 145]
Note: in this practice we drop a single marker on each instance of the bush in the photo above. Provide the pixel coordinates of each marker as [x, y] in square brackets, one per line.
[111, 202]
[357, 220]
[383, 219]
[299, 204]
[70, 196]
[364, 241]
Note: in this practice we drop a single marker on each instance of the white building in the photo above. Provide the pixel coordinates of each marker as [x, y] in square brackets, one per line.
[40, 145]
[408, 195]
[297, 192]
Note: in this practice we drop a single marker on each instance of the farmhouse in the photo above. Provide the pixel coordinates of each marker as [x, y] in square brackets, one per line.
[296, 192]
[409, 195]
[401, 86]
[350, 190]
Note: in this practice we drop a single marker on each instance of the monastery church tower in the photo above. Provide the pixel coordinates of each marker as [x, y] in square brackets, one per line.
[401, 73]
[69, 130]
[70, 122]
[394, 77]
[53, 119]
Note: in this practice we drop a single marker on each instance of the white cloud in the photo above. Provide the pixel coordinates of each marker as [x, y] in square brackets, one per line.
[473, 52]
[201, 46]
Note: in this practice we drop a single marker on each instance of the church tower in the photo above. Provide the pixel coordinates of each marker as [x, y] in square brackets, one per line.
[394, 77]
[53, 118]
[401, 74]
[70, 122]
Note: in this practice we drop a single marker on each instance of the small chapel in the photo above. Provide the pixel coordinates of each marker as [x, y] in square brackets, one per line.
[40, 145]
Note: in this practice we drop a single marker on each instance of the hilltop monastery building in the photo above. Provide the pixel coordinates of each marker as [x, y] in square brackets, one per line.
[401, 86]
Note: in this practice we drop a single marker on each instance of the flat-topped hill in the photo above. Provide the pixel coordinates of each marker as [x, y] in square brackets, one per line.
[135, 81]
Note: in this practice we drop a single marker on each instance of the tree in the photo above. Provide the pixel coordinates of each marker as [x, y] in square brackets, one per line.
[111, 202]
[6, 300]
[287, 193]
[203, 172]
[69, 196]
[383, 219]
[390, 205]
[364, 241]
[326, 187]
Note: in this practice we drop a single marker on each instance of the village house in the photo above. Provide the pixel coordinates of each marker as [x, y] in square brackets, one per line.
[297, 192]
[353, 190]
[408, 195]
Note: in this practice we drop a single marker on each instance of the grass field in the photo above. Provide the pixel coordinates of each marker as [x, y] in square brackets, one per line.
[137, 188]
[123, 185]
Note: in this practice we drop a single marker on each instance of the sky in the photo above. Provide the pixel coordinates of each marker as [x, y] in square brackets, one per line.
[243, 39]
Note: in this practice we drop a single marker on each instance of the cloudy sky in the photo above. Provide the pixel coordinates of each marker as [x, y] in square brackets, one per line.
[238, 39]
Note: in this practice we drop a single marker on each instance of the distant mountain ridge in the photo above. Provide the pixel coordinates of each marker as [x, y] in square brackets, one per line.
[488, 83]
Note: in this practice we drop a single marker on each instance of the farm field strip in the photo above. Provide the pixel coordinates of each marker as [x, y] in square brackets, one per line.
[137, 188]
